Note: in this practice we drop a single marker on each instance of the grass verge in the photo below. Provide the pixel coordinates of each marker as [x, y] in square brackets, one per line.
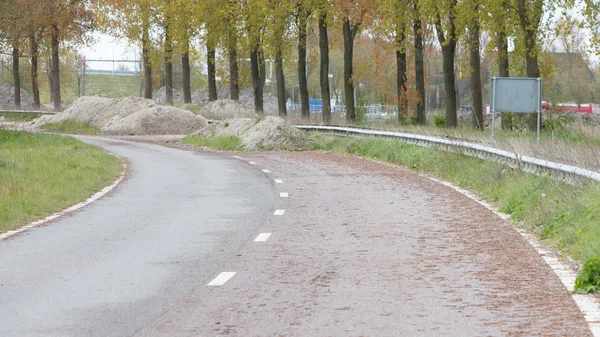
[14, 116]
[70, 126]
[41, 174]
[224, 143]
[568, 216]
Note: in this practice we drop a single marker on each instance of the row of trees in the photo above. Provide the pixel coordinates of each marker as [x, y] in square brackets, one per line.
[28, 25]
[277, 30]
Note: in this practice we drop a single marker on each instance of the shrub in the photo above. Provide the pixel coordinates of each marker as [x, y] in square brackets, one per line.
[439, 120]
[588, 280]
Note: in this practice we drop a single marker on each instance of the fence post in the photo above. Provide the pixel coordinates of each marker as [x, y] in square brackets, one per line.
[83, 84]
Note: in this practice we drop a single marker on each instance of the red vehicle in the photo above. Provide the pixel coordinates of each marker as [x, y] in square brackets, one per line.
[573, 107]
[587, 108]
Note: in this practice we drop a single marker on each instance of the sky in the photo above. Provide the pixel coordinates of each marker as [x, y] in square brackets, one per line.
[109, 48]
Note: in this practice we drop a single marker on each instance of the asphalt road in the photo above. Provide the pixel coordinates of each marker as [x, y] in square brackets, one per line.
[119, 263]
[356, 248]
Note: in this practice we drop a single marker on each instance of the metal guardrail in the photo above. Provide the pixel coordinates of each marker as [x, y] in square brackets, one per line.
[564, 172]
[31, 111]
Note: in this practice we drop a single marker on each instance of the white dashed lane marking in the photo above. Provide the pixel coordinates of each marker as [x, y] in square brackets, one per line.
[284, 195]
[266, 171]
[278, 181]
[252, 163]
[221, 279]
[262, 237]
[279, 212]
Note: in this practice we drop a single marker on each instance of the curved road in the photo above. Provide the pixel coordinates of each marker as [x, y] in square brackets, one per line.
[357, 248]
[116, 265]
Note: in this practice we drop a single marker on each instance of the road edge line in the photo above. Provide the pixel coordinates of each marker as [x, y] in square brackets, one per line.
[73, 208]
[587, 303]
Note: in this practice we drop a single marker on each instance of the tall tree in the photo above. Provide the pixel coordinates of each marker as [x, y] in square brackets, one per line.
[394, 16]
[324, 63]
[254, 13]
[211, 47]
[500, 26]
[353, 14]
[280, 13]
[145, 14]
[16, 76]
[302, 15]
[132, 20]
[168, 51]
[475, 63]
[419, 63]
[186, 69]
[530, 14]
[231, 20]
[443, 14]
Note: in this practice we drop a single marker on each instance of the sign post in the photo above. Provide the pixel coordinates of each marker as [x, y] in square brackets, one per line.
[516, 95]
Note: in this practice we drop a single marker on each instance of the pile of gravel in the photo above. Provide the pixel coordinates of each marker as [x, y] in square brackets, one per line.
[7, 97]
[128, 116]
[226, 109]
[201, 97]
[269, 133]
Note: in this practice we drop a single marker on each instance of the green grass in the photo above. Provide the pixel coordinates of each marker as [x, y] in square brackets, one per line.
[41, 174]
[15, 116]
[105, 85]
[70, 126]
[224, 143]
[568, 216]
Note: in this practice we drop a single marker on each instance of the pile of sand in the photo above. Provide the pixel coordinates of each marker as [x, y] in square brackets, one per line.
[7, 97]
[128, 116]
[269, 133]
[226, 109]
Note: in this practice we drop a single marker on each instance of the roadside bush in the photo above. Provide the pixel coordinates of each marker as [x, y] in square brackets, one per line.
[588, 280]
[361, 114]
[439, 120]
[555, 121]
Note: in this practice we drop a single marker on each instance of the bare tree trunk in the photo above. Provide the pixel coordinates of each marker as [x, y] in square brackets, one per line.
[16, 76]
[324, 74]
[503, 71]
[168, 61]
[185, 64]
[401, 73]
[475, 61]
[234, 87]
[448, 55]
[256, 80]
[281, 97]
[212, 72]
[302, 76]
[55, 69]
[419, 66]
[146, 56]
[35, 90]
[349, 33]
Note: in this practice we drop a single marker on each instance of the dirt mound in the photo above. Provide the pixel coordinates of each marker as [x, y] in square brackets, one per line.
[269, 102]
[269, 133]
[128, 116]
[7, 97]
[226, 109]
